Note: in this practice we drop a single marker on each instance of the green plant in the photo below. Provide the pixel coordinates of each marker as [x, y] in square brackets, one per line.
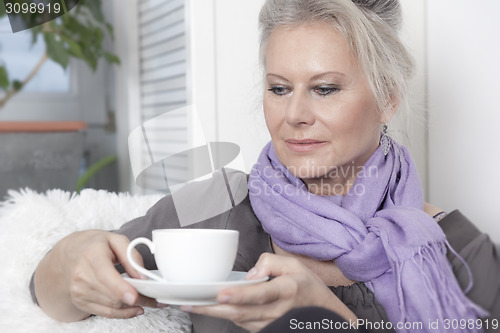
[79, 33]
[92, 170]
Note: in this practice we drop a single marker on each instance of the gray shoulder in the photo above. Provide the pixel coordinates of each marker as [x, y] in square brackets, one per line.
[482, 257]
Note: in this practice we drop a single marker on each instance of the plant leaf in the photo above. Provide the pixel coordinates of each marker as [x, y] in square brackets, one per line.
[3, 12]
[111, 58]
[56, 50]
[74, 48]
[110, 30]
[4, 78]
[17, 85]
[95, 8]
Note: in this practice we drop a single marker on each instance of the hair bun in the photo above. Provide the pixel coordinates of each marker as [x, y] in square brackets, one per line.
[387, 10]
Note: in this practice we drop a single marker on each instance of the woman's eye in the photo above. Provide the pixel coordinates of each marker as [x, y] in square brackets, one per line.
[279, 90]
[325, 90]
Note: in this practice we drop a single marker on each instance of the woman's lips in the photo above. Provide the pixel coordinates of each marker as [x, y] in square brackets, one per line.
[304, 145]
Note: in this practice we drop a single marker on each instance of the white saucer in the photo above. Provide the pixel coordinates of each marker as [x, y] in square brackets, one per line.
[180, 293]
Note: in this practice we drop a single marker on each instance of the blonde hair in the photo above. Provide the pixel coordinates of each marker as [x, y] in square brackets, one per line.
[370, 28]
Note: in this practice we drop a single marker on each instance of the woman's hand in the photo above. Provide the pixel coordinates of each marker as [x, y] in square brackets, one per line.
[78, 278]
[254, 307]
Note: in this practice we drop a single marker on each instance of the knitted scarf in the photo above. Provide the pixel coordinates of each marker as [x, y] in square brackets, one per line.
[378, 234]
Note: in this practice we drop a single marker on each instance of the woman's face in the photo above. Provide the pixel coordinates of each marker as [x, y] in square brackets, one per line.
[319, 108]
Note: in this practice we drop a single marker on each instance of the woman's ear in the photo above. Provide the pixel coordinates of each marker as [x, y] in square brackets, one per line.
[389, 111]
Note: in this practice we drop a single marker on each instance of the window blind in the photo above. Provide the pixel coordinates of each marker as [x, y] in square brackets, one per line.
[163, 88]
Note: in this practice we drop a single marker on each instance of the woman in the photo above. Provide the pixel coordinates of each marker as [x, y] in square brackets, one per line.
[335, 199]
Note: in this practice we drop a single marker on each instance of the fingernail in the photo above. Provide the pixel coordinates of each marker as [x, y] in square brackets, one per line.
[224, 299]
[161, 305]
[128, 298]
[251, 273]
[139, 312]
[186, 308]
[143, 277]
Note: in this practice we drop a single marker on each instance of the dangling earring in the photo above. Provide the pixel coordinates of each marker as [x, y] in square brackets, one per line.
[385, 142]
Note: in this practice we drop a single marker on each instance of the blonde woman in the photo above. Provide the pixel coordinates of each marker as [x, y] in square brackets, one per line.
[335, 209]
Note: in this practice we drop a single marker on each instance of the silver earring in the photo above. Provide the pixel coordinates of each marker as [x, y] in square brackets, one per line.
[385, 142]
[384, 129]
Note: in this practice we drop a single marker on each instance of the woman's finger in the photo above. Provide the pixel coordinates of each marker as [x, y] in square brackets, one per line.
[234, 313]
[118, 246]
[96, 302]
[99, 282]
[91, 296]
[96, 297]
[110, 312]
[274, 265]
[250, 317]
[109, 281]
[262, 293]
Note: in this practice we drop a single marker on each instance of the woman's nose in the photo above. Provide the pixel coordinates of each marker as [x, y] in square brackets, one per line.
[299, 110]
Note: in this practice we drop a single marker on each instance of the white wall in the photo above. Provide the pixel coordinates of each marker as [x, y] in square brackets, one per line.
[411, 129]
[238, 79]
[464, 101]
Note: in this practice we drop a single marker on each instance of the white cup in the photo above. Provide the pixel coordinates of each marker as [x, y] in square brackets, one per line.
[189, 255]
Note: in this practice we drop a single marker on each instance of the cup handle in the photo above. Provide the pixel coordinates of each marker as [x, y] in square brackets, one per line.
[140, 269]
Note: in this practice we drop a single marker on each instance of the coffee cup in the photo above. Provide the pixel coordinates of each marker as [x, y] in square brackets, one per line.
[189, 255]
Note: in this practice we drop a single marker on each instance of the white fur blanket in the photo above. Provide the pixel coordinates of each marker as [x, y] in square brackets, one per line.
[31, 223]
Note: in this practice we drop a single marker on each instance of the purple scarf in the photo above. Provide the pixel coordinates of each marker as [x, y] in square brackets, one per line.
[377, 234]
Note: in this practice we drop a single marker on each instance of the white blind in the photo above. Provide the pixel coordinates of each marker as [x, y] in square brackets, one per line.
[162, 56]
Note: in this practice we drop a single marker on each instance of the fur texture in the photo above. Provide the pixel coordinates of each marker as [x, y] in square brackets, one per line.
[31, 223]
